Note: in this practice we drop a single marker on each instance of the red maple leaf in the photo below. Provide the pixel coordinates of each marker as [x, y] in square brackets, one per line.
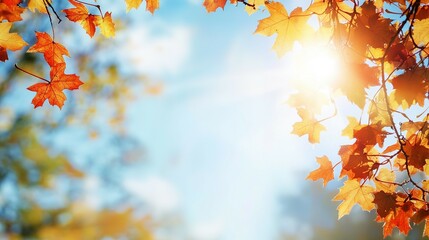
[52, 51]
[53, 90]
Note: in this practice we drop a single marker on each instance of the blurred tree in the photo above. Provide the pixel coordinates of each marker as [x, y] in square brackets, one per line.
[43, 176]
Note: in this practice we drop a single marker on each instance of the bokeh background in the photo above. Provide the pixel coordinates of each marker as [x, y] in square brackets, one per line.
[181, 131]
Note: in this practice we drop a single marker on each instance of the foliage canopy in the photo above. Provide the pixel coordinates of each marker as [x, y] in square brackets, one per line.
[383, 48]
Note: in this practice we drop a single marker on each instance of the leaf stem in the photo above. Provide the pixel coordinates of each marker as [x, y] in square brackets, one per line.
[34, 75]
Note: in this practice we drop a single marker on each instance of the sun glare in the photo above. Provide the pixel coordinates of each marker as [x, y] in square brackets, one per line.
[314, 66]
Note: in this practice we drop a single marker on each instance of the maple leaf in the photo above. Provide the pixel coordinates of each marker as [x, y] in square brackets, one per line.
[358, 166]
[257, 5]
[53, 89]
[288, 28]
[38, 5]
[52, 51]
[417, 154]
[325, 171]
[351, 127]
[81, 15]
[353, 193]
[9, 41]
[420, 33]
[212, 5]
[309, 125]
[10, 12]
[384, 180]
[354, 79]
[410, 87]
[370, 135]
[151, 5]
[107, 27]
[386, 203]
[399, 218]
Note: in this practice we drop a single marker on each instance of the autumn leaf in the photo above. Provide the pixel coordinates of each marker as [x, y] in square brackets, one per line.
[325, 171]
[349, 130]
[107, 27]
[370, 135]
[81, 15]
[384, 180]
[38, 5]
[410, 87]
[257, 4]
[10, 12]
[309, 125]
[151, 5]
[355, 78]
[53, 89]
[212, 5]
[353, 193]
[400, 218]
[52, 51]
[416, 154]
[9, 41]
[288, 28]
[420, 33]
[386, 203]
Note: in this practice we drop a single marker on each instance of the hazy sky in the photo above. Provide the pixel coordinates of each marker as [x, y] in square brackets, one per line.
[218, 138]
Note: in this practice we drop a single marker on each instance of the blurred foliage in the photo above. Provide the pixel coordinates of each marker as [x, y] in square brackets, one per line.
[43, 172]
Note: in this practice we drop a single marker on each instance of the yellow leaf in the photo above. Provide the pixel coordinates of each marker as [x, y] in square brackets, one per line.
[151, 5]
[257, 4]
[38, 5]
[349, 130]
[309, 125]
[353, 193]
[384, 179]
[420, 32]
[288, 28]
[106, 25]
[132, 4]
[10, 41]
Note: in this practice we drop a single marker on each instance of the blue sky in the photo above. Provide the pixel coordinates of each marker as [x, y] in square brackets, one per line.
[218, 138]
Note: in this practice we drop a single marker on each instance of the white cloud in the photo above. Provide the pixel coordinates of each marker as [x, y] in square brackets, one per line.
[157, 193]
[155, 48]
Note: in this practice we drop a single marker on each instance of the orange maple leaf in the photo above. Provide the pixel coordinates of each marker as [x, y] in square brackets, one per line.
[325, 171]
[10, 12]
[81, 15]
[410, 87]
[288, 28]
[9, 41]
[212, 5]
[399, 218]
[351, 193]
[53, 90]
[52, 51]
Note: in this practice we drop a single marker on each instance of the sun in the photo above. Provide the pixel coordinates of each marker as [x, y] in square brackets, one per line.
[314, 66]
